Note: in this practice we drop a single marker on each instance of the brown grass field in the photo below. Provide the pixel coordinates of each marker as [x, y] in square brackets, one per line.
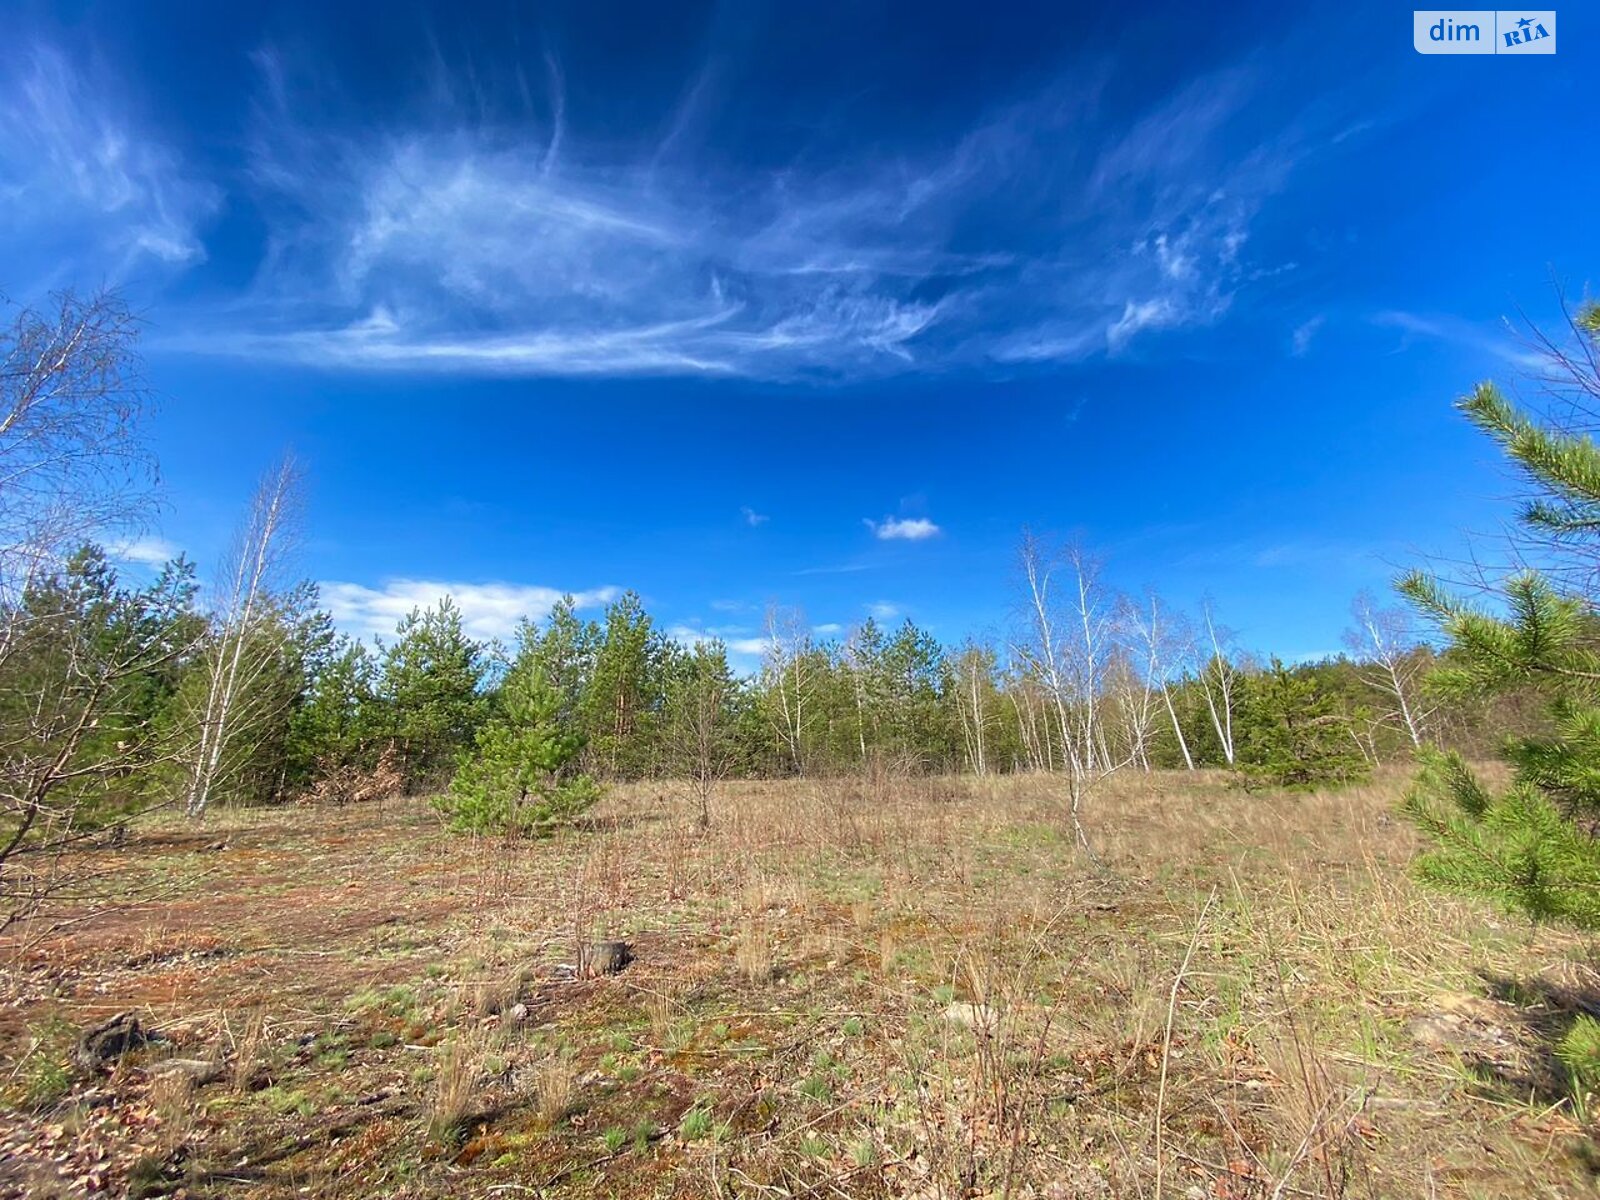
[891, 987]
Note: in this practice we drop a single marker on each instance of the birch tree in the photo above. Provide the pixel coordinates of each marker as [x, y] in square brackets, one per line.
[861, 656]
[73, 466]
[1132, 694]
[1163, 645]
[1067, 639]
[243, 648]
[788, 681]
[1382, 641]
[701, 722]
[1220, 682]
[971, 688]
[79, 653]
[1028, 710]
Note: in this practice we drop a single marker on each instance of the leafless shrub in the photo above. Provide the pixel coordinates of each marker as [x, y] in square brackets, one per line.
[339, 784]
[172, 1099]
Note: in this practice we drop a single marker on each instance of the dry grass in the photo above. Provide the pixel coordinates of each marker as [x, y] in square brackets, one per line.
[555, 1087]
[249, 1048]
[753, 954]
[457, 1088]
[964, 1007]
[496, 993]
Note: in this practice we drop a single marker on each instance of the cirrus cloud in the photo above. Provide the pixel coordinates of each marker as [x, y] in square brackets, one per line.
[79, 180]
[462, 243]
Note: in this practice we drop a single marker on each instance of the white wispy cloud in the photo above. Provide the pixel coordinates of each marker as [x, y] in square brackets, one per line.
[752, 517]
[80, 183]
[882, 610]
[488, 610]
[463, 244]
[1304, 334]
[1160, 313]
[1497, 340]
[449, 238]
[146, 551]
[909, 529]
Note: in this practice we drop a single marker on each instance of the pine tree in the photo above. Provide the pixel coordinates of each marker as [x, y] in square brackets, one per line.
[336, 726]
[1531, 847]
[521, 776]
[1291, 734]
[565, 651]
[913, 665]
[621, 706]
[431, 687]
[87, 664]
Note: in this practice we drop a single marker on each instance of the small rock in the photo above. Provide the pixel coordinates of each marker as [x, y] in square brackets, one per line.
[973, 1016]
[1461, 1022]
[197, 1071]
[516, 1014]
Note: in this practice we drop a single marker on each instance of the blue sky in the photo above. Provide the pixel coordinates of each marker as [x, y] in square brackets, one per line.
[817, 304]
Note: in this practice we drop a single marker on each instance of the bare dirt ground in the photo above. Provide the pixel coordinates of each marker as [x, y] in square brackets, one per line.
[872, 988]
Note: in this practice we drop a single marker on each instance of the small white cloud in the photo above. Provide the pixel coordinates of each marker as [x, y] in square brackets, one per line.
[744, 653]
[689, 637]
[908, 529]
[753, 518]
[1305, 333]
[828, 630]
[882, 610]
[488, 610]
[147, 551]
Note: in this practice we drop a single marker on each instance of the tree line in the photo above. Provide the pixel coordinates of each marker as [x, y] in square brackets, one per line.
[260, 699]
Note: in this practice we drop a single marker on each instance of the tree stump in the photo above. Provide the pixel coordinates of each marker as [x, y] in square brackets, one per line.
[605, 958]
[110, 1040]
